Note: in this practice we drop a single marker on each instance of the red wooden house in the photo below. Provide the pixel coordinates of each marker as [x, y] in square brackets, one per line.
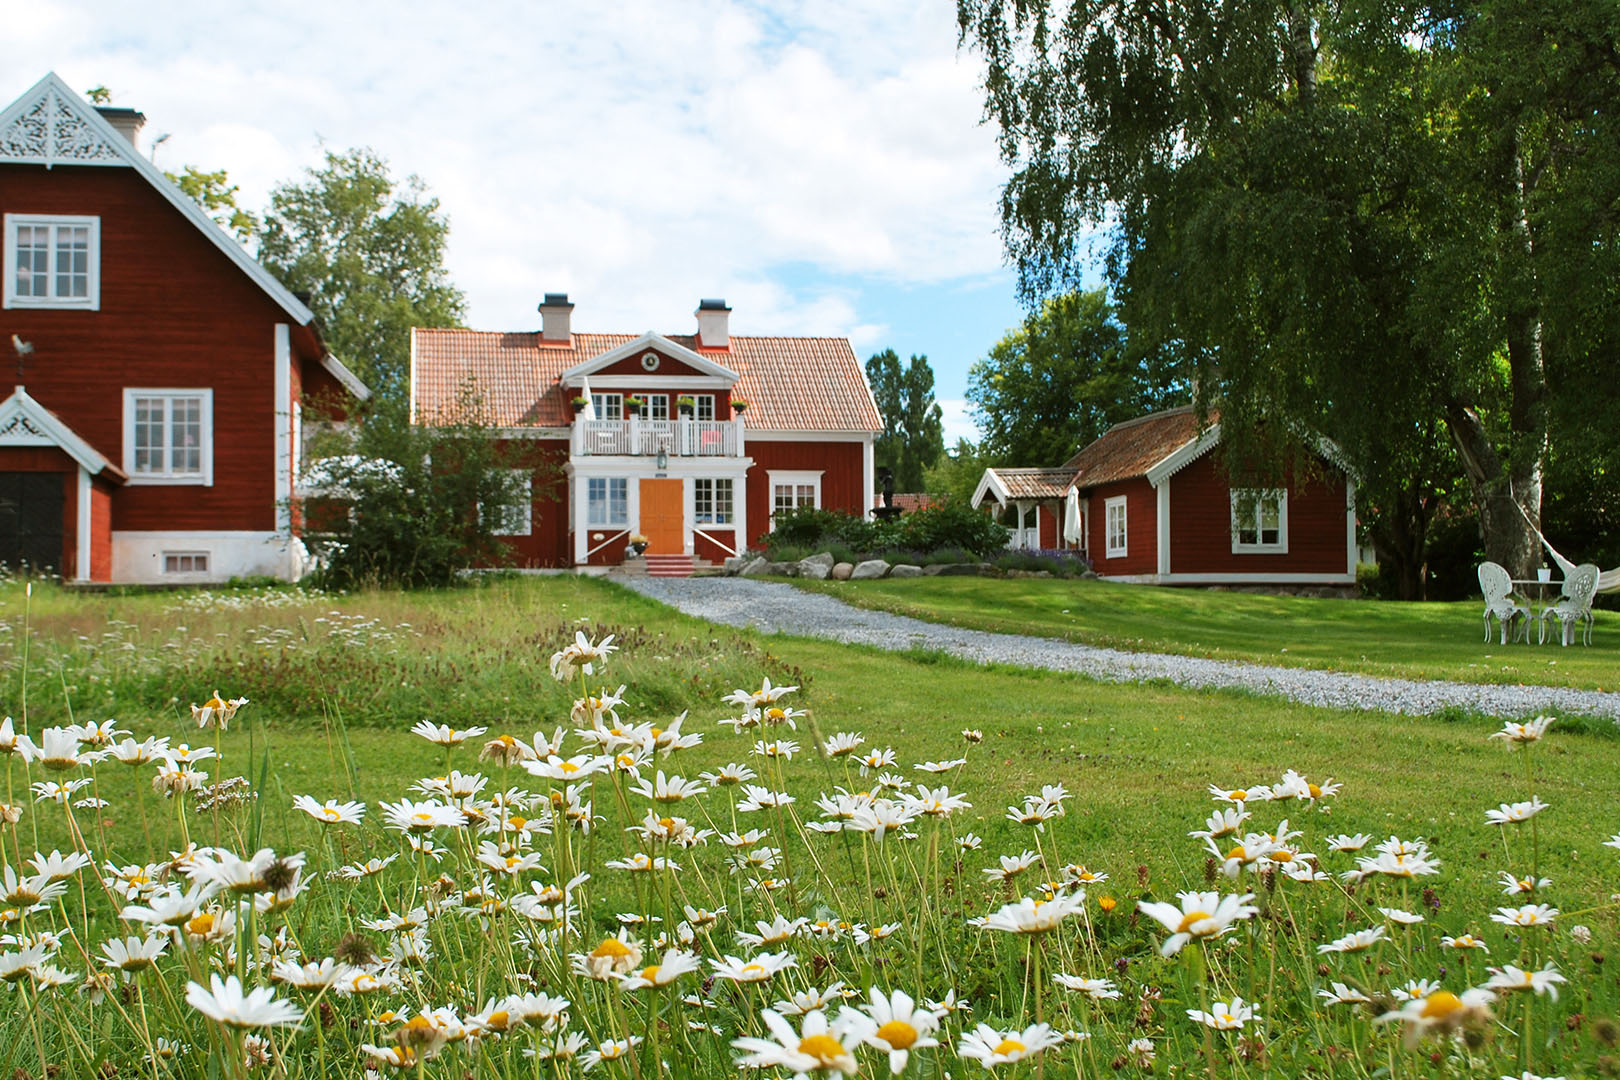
[1156, 505]
[154, 430]
[658, 446]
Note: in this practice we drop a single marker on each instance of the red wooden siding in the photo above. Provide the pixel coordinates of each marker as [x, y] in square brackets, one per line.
[1201, 524]
[547, 542]
[843, 487]
[704, 548]
[101, 500]
[667, 366]
[175, 313]
[1141, 528]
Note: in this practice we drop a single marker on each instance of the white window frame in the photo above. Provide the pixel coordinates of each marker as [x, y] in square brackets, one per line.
[91, 301]
[703, 403]
[795, 479]
[1259, 495]
[713, 516]
[1111, 549]
[194, 556]
[607, 520]
[514, 519]
[647, 410]
[202, 478]
[599, 405]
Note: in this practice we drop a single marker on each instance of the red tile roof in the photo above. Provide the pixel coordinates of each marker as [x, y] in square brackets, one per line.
[1129, 449]
[790, 383]
[1035, 483]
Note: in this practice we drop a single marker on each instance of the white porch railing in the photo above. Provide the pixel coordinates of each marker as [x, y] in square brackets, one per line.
[645, 438]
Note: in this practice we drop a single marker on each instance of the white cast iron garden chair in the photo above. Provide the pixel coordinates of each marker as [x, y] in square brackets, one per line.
[1574, 606]
[1497, 585]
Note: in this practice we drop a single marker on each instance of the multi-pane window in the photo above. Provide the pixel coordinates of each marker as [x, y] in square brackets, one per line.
[656, 407]
[711, 501]
[791, 496]
[169, 435]
[608, 406]
[607, 500]
[515, 518]
[1114, 519]
[185, 562]
[705, 406]
[52, 261]
[1259, 519]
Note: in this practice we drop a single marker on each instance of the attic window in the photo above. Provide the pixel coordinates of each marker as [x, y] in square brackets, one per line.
[649, 361]
[52, 261]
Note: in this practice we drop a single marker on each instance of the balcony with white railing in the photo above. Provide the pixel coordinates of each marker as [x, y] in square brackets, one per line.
[645, 438]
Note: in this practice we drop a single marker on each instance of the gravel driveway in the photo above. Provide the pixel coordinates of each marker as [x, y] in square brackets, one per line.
[774, 607]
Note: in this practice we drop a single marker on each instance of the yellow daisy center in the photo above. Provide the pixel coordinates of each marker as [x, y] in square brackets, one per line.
[569, 767]
[611, 947]
[1440, 1004]
[201, 924]
[898, 1034]
[1009, 1047]
[1238, 853]
[330, 813]
[753, 969]
[1239, 795]
[1191, 919]
[650, 974]
[499, 1021]
[824, 1048]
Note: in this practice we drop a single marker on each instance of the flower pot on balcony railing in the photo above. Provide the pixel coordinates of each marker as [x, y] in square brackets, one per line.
[579, 404]
[632, 406]
[686, 406]
[738, 405]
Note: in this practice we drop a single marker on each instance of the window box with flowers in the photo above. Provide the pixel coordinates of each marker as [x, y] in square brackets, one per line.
[687, 404]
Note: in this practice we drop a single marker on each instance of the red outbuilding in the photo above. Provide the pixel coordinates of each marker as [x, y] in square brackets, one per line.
[154, 430]
[690, 441]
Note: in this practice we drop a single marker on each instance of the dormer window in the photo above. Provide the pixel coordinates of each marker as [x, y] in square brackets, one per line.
[52, 261]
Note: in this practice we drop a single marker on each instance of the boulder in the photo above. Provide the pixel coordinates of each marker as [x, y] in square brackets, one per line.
[871, 568]
[735, 564]
[841, 571]
[1029, 573]
[906, 570]
[813, 567]
[954, 569]
[754, 567]
[782, 569]
[823, 559]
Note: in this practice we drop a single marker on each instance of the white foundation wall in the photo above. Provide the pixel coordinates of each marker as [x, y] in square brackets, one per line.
[138, 557]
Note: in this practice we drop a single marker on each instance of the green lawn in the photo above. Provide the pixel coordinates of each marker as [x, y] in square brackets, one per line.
[1423, 641]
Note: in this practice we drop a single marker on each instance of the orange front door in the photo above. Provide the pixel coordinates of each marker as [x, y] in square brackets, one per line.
[661, 520]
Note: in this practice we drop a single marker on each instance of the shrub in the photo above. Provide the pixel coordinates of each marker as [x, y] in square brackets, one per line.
[949, 526]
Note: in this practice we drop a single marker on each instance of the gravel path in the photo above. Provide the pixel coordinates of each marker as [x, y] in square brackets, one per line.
[774, 607]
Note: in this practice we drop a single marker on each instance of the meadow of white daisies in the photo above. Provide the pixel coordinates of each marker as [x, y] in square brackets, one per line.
[755, 887]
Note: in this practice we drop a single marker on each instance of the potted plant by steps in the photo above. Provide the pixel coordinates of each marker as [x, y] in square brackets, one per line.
[687, 404]
[638, 544]
[579, 404]
[738, 405]
[632, 405]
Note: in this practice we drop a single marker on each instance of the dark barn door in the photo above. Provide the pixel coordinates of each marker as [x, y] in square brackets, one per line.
[31, 520]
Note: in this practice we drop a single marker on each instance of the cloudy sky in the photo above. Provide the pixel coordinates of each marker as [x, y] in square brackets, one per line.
[821, 164]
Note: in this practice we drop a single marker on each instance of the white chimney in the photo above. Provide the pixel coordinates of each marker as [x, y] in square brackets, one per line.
[555, 314]
[127, 122]
[714, 324]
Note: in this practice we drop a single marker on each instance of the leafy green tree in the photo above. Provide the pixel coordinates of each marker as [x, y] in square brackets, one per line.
[1062, 379]
[957, 474]
[369, 253]
[214, 192]
[1317, 205]
[913, 435]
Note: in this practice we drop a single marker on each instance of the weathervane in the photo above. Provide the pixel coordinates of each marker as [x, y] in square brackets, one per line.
[24, 350]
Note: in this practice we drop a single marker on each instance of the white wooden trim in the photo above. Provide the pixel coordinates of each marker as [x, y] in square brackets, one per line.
[128, 155]
[202, 479]
[410, 380]
[91, 301]
[1162, 491]
[575, 375]
[658, 383]
[82, 538]
[25, 422]
[1281, 546]
[1352, 547]
[780, 435]
[868, 478]
[1109, 551]
[281, 414]
[989, 484]
[1184, 455]
[350, 381]
[1243, 578]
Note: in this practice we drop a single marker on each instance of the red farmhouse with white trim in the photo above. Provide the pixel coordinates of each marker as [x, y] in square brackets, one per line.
[153, 432]
[1157, 507]
[697, 476]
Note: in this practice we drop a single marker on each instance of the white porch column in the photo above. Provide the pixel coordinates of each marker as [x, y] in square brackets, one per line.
[1163, 491]
[868, 475]
[576, 514]
[82, 539]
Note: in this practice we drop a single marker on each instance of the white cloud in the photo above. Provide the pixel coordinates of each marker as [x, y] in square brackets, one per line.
[638, 155]
[958, 423]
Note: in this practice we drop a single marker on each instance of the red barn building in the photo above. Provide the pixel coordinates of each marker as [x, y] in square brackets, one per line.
[1155, 505]
[154, 431]
[661, 447]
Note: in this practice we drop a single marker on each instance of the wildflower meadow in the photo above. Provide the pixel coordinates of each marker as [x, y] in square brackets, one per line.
[761, 883]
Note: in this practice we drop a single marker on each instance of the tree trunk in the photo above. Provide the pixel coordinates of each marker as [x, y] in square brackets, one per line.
[1401, 539]
[1502, 489]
